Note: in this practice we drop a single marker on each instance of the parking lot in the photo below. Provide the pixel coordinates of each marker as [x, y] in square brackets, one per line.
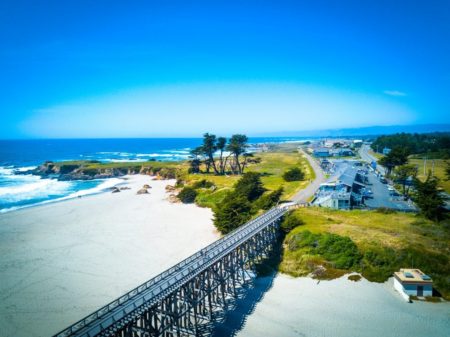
[383, 195]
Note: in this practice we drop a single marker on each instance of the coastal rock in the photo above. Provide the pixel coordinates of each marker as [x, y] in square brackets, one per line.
[125, 188]
[170, 188]
[115, 190]
[142, 191]
[146, 186]
[173, 199]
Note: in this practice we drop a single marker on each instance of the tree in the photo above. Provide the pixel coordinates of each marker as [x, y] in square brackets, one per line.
[209, 148]
[237, 146]
[294, 174]
[267, 201]
[405, 173]
[221, 146]
[194, 166]
[429, 199]
[232, 212]
[250, 186]
[398, 156]
[187, 195]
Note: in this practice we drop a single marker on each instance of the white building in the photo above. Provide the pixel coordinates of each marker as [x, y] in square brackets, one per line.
[413, 282]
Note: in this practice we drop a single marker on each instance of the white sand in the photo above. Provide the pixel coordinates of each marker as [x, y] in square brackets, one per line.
[61, 261]
[337, 308]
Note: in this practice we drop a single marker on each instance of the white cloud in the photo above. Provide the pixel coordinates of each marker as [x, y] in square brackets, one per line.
[395, 93]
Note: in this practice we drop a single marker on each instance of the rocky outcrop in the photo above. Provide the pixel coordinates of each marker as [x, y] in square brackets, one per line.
[115, 190]
[142, 191]
[88, 170]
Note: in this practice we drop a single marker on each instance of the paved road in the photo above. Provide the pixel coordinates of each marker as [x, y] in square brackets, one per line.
[366, 156]
[306, 193]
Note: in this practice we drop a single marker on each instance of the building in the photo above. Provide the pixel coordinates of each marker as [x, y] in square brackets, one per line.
[321, 153]
[413, 282]
[345, 193]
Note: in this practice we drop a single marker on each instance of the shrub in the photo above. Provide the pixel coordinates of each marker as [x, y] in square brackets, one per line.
[385, 210]
[293, 174]
[187, 195]
[202, 184]
[291, 221]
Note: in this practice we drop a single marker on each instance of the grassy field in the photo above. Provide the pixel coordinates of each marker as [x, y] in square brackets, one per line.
[385, 242]
[438, 171]
[375, 154]
[271, 167]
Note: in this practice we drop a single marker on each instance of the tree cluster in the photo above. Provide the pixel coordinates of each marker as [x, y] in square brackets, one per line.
[247, 197]
[398, 156]
[221, 155]
[294, 174]
[438, 143]
[429, 199]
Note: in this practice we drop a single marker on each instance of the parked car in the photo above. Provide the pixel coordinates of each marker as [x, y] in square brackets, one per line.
[383, 180]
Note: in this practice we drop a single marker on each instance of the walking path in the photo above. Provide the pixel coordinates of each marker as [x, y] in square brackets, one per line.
[306, 193]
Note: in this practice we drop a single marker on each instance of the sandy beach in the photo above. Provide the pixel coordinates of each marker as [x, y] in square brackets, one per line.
[61, 261]
[286, 307]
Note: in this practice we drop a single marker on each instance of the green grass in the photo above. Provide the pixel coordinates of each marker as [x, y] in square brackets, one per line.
[272, 166]
[386, 242]
[377, 155]
[439, 171]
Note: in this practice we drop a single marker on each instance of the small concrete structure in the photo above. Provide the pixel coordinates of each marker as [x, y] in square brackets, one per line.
[413, 282]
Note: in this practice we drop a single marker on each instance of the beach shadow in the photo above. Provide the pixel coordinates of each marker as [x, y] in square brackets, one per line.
[234, 319]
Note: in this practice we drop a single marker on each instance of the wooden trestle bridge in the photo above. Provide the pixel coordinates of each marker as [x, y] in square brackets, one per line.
[188, 298]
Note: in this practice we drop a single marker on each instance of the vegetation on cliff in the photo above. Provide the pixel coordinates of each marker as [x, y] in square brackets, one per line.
[329, 243]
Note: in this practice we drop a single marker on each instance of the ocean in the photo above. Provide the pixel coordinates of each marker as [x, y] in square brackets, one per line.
[23, 190]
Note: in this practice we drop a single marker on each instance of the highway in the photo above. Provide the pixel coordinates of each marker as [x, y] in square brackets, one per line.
[366, 156]
[304, 195]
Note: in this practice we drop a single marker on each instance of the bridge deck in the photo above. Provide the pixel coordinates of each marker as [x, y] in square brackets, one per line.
[158, 287]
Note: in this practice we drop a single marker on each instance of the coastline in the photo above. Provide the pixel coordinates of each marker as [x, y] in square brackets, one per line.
[62, 260]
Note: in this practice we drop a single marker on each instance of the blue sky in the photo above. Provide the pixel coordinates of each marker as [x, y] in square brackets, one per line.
[167, 68]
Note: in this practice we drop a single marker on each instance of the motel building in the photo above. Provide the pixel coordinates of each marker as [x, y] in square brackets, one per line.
[413, 282]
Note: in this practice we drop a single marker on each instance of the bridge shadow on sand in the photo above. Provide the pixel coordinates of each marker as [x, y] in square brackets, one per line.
[234, 319]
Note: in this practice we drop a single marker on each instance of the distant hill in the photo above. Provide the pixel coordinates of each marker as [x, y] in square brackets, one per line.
[364, 131]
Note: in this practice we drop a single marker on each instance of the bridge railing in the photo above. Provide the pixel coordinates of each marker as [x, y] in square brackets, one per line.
[229, 239]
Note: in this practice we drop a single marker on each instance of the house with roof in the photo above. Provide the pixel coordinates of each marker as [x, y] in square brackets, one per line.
[413, 282]
[345, 193]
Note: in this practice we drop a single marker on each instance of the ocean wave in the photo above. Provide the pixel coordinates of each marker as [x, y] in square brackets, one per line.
[104, 186]
[6, 170]
[111, 160]
[34, 188]
[24, 169]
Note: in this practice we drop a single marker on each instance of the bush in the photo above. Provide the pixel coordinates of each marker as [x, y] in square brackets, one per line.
[293, 174]
[385, 210]
[338, 250]
[291, 221]
[202, 184]
[187, 195]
